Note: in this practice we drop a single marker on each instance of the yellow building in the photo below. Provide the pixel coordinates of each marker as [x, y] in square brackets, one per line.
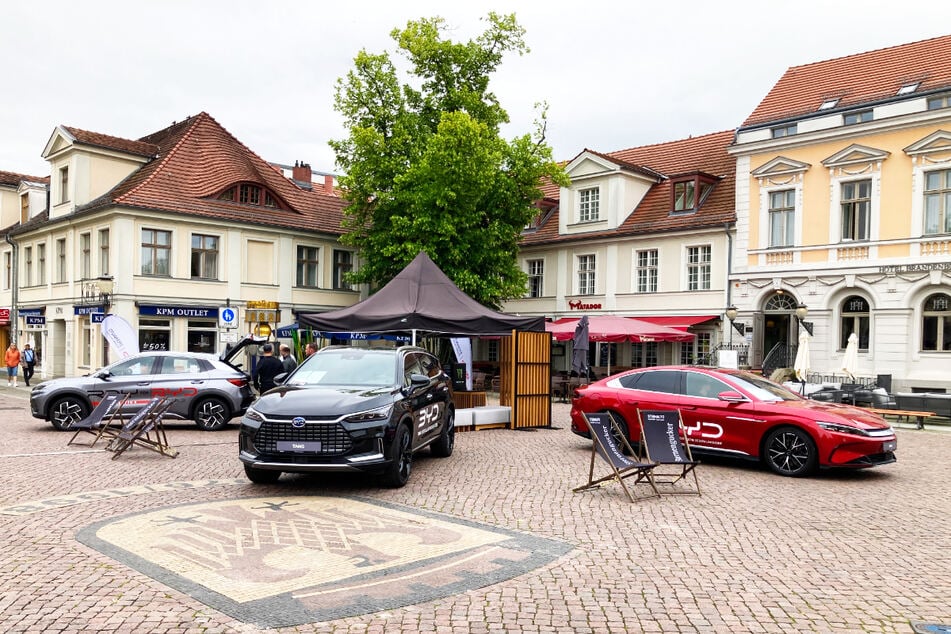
[843, 199]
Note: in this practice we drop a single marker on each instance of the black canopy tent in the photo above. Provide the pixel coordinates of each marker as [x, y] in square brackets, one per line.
[421, 298]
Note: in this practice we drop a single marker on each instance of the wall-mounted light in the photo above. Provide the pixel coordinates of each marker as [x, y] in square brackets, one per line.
[801, 311]
[106, 286]
[731, 313]
[263, 330]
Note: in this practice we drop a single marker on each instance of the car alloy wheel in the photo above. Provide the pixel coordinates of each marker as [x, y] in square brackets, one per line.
[211, 414]
[790, 452]
[444, 445]
[66, 411]
[401, 465]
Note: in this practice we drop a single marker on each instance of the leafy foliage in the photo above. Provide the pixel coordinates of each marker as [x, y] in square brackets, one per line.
[426, 167]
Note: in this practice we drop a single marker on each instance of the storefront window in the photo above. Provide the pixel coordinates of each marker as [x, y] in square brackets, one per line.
[154, 334]
[201, 335]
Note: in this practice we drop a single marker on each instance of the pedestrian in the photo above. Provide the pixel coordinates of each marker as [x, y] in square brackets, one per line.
[13, 364]
[287, 359]
[267, 368]
[29, 363]
[310, 348]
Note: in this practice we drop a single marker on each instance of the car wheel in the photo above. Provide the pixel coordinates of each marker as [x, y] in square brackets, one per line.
[790, 452]
[401, 459]
[444, 445]
[212, 414]
[625, 432]
[261, 476]
[66, 411]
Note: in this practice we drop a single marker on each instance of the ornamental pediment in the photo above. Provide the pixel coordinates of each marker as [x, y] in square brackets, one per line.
[780, 166]
[937, 141]
[855, 154]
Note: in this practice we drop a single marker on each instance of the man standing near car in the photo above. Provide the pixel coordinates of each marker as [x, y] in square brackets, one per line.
[287, 359]
[267, 368]
[29, 363]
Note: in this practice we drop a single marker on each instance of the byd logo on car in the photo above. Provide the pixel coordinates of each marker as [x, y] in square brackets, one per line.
[695, 430]
[168, 391]
[429, 417]
[297, 421]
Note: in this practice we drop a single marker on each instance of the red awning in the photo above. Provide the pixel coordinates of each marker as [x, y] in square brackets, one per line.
[680, 322]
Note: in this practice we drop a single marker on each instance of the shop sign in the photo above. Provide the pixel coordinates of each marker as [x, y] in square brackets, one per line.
[22, 312]
[96, 318]
[88, 310]
[35, 321]
[576, 305]
[4, 315]
[258, 311]
[199, 312]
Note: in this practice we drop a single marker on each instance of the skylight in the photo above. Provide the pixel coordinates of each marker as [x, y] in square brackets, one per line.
[828, 104]
[909, 88]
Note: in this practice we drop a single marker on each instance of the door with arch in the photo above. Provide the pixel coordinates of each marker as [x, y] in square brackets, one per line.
[778, 334]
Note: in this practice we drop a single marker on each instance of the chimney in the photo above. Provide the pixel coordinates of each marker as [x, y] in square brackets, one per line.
[302, 173]
[328, 183]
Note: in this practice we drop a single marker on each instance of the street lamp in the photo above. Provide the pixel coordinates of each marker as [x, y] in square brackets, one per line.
[105, 285]
[801, 311]
[739, 326]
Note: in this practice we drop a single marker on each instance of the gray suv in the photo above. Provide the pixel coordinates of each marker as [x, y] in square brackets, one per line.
[209, 390]
[351, 409]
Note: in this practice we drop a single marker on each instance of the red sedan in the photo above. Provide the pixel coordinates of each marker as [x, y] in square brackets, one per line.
[738, 414]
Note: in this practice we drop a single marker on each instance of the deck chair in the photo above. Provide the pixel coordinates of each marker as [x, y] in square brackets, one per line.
[100, 418]
[146, 430]
[604, 429]
[664, 442]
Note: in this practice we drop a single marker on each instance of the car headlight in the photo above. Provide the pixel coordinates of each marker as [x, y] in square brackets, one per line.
[371, 416]
[843, 429]
[251, 414]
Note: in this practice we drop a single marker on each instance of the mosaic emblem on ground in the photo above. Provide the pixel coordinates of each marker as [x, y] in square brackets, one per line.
[279, 562]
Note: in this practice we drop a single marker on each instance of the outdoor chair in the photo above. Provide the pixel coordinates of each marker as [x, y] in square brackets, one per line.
[144, 429]
[664, 442]
[100, 418]
[604, 432]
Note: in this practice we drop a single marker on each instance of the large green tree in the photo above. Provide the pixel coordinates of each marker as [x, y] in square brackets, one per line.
[426, 168]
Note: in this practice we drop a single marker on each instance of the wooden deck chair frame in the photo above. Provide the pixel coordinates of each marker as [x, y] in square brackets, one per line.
[146, 430]
[101, 418]
[605, 430]
[658, 430]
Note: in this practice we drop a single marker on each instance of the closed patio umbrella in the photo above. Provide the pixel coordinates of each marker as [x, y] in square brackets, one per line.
[850, 362]
[801, 365]
[579, 348]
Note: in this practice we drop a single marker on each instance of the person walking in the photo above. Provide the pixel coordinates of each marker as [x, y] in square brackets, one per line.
[267, 368]
[29, 363]
[287, 359]
[13, 364]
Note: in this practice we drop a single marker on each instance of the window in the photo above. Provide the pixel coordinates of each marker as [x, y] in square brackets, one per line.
[85, 347]
[343, 264]
[85, 243]
[907, 89]
[782, 217]
[24, 208]
[103, 252]
[251, 194]
[697, 351]
[684, 195]
[41, 263]
[156, 252]
[204, 257]
[938, 202]
[63, 185]
[28, 266]
[855, 318]
[665, 381]
[856, 203]
[307, 266]
[202, 335]
[698, 268]
[154, 334]
[939, 101]
[936, 323]
[7, 270]
[586, 269]
[646, 272]
[857, 117]
[783, 131]
[589, 201]
[536, 278]
[61, 260]
[492, 350]
[644, 355]
[179, 365]
[704, 385]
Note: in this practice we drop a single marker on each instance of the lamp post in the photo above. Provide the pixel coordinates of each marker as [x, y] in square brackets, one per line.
[739, 326]
[801, 311]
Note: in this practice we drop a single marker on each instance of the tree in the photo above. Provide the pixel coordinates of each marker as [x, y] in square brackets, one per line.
[426, 168]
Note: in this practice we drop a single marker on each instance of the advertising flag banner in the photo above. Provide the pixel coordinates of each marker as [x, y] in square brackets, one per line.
[122, 338]
[463, 349]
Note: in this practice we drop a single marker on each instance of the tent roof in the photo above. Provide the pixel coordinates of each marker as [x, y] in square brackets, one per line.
[421, 297]
[616, 329]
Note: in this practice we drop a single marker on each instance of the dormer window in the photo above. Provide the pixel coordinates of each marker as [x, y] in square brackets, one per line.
[589, 204]
[907, 89]
[939, 101]
[783, 131]
[689, 192]
[852, 118]
[829, 104]
[251, 194]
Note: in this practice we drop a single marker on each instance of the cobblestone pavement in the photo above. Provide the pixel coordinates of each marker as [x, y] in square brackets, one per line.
[840, 552]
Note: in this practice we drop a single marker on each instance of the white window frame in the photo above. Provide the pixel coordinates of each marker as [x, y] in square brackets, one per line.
[589, 204]
[702, 265]
[587, 274]
[648, 272]
[61, 266]
[764, 218]
[946, 216]
[536, 277]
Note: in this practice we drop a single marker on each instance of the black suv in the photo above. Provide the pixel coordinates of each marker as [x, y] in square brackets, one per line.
[351, 409]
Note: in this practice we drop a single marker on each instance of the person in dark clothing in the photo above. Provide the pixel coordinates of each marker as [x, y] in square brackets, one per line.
[267, 368]
[29, 363]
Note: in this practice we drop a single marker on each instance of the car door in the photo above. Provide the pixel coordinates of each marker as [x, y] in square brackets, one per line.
[425, 407]
[651, 389]
[131, 378]
[709, 422]
[180, 379]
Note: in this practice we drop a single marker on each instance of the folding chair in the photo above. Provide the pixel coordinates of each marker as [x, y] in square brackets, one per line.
[664, 442]
[622, 466]
[100, 418]
[145, 429]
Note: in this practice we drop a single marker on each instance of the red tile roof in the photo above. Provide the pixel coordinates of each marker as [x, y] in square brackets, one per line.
[196, 159]
[857, 79]
[112, 142]
[706, 154]
[13, 179]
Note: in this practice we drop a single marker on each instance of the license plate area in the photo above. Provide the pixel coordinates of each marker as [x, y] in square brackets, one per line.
[299, 446]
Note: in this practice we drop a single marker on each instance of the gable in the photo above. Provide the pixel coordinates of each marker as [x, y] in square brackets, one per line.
[937, 141]
[855, 154]
[780, 166]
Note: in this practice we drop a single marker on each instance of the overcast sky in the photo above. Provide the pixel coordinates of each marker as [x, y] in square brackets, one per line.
[615, 74]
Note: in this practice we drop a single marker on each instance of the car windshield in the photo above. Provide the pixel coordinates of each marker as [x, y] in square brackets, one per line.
[762, 389]
[347, 367]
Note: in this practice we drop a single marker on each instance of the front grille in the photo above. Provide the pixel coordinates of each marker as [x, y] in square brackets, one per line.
[333, 438]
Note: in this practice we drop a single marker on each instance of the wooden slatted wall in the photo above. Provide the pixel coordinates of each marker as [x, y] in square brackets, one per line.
[526, 378]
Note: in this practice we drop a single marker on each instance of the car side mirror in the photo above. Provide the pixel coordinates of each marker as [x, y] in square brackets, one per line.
[279, 379]
[732, 397]
[418, 380]
[103, 374]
